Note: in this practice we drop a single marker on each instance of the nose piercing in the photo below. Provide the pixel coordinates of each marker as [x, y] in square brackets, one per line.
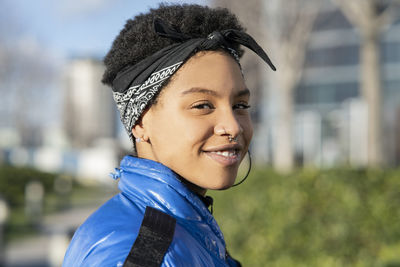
[231, 138]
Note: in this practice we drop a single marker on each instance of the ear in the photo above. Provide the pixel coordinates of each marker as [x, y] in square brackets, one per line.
[139, 130]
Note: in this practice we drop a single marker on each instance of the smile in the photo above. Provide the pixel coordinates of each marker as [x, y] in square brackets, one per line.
[224, 157]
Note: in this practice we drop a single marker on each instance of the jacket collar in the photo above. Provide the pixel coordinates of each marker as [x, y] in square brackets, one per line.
[161, 188]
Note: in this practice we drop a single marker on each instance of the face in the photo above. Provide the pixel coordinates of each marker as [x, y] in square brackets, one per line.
[188, 129]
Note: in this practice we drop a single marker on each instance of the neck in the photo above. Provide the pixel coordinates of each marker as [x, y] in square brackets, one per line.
[194, 188]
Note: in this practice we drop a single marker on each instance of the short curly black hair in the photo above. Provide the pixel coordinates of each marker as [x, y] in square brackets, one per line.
[138, 40]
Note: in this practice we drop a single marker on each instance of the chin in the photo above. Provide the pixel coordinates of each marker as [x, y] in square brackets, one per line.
[224, 183]
[225, 187]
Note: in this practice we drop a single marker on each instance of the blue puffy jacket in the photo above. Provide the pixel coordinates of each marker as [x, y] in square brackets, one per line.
[106, 237]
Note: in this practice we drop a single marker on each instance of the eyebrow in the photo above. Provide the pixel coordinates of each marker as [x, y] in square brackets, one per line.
[192, 90]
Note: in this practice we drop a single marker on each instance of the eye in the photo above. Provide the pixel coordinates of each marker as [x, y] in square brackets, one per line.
[205, 105]
[241, 106]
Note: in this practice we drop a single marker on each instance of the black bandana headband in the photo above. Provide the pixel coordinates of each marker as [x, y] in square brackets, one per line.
[136, 85]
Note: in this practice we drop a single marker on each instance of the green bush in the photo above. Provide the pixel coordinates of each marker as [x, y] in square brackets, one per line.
[313, 218]
[12, 188]
[13, 181]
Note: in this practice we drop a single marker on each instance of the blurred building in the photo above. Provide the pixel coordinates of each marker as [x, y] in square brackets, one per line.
[330, 88]
[89, 112]
[90, 120]
[88, 141]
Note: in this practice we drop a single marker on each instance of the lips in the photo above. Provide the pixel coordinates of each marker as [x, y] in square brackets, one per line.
[225, 155]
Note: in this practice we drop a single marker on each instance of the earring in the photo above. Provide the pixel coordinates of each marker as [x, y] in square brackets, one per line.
[138, 140]
[248, 171]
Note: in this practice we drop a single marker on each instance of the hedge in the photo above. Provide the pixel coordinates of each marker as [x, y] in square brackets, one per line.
[12, 189]
[13, 181]
[339, 217]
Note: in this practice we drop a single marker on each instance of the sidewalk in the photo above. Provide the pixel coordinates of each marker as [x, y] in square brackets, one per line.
[47, 249]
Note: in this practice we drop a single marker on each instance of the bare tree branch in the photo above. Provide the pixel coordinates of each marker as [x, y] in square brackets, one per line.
[389, 15]
[291, 44]
[363, 14]
[353, 10]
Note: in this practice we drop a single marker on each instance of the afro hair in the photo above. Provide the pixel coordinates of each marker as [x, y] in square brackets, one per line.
[138, 40]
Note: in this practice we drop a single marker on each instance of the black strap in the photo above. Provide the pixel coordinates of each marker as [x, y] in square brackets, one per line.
[154, 238]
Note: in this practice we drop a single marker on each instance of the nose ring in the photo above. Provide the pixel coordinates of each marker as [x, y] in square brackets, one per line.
[231, 138]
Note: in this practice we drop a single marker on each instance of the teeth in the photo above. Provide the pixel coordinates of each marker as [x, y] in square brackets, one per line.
[225, 153]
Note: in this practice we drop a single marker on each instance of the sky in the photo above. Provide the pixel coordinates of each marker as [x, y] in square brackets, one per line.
[55, 31]
[74, 27]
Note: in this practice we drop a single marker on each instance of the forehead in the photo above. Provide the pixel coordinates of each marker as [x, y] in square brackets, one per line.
[211, 70]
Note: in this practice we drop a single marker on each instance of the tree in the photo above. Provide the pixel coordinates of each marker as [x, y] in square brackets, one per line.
[290, 24]
[371, 18]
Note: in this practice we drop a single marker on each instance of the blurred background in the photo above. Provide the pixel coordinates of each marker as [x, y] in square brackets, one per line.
[325, 189]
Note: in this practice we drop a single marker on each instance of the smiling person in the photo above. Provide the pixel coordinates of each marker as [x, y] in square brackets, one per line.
[179, 87]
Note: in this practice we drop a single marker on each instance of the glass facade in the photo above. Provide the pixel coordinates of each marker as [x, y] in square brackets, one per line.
[330, 87]
[328, 93]
[333, 56]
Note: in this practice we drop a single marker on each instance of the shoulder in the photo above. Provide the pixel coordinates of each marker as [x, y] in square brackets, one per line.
[192, 245]
[106, 237]
[186, 250]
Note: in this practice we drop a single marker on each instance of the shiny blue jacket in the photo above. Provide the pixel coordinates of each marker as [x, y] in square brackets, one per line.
[107, 236]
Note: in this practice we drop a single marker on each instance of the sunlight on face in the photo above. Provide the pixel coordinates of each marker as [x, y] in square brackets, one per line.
[188, 129]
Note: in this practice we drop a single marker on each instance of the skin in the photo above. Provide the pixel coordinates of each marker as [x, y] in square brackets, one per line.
[205, 102]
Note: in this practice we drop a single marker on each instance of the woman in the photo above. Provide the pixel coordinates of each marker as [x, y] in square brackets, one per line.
[179, 87]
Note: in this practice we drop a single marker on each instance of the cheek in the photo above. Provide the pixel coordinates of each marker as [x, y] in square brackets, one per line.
[163, 135]
[177, 132]
[194, 133]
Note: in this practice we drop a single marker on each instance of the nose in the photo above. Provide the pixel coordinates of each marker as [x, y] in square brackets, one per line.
[227, 124]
